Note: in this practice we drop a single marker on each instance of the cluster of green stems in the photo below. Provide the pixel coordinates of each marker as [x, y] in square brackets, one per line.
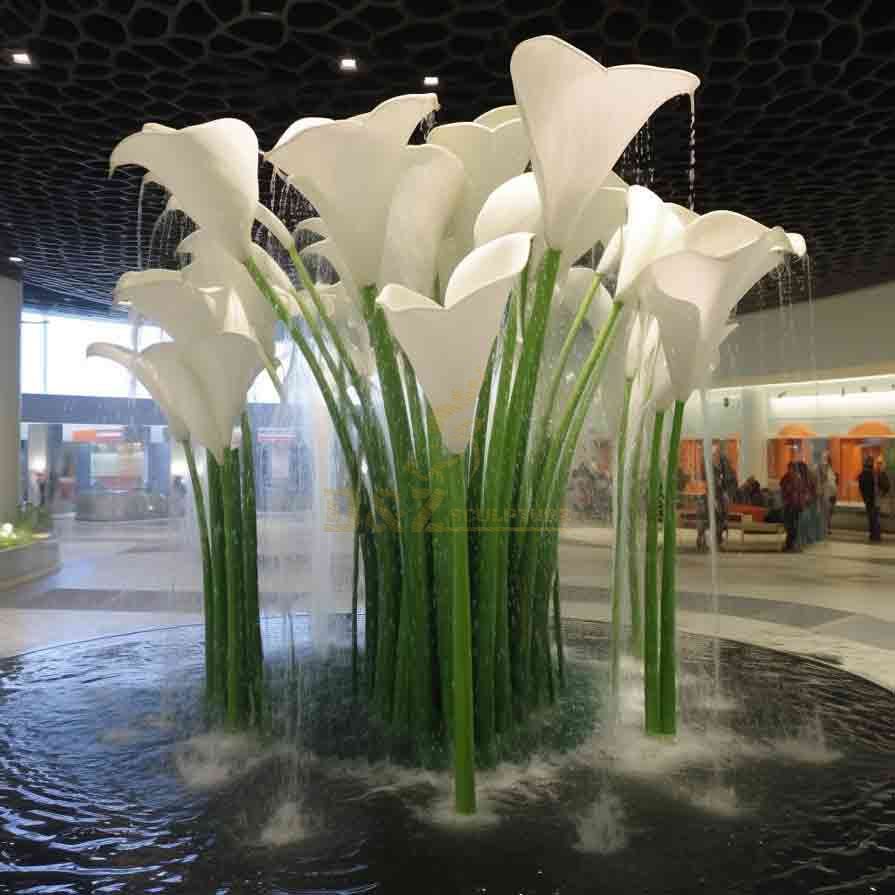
[458, 551]
[652, 632]
[228, 535]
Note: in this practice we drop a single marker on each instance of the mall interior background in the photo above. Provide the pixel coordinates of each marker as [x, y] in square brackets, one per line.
[788, 389]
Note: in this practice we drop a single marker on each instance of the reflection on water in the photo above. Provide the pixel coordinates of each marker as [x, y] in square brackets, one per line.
[109, 782]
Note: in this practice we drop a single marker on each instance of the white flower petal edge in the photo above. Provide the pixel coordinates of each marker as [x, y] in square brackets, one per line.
[349, 169]
[424, 200]
[226, 365]
[211, 169]
[580, 116]
[498, 115]
[449, 346]
[691, 295]
[491, 155]
[170, 383]
[162, 297]
[516, 206]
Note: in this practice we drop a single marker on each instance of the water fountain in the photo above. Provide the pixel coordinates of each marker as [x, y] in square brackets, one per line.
[452, 733]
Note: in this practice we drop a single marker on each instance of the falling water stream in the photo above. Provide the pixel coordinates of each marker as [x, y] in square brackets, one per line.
[140, 223]
[713, 532]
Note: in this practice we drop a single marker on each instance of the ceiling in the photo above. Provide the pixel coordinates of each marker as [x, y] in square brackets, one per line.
[795, 118]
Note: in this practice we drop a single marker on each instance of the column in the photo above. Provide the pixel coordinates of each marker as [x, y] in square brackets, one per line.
[38, 456]
[755, 435]
[10, 393]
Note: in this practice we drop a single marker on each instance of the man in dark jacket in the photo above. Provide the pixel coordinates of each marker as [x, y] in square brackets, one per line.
[792, 490]
[874, 484]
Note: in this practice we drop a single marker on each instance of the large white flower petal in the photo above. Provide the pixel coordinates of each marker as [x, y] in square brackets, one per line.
[227, 282]
[514, 207]
[491, 155]
[691, 295]
[273, 225]
[349, 170]
[580, 116]
[163, 297]
[211, 169]
[226, 365]
[498, 116]
[601, 217]
[652, 229]
[312, 225]
[449, 346]
[424, 200]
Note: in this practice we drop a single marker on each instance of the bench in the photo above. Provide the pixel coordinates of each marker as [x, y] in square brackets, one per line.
[741, 522]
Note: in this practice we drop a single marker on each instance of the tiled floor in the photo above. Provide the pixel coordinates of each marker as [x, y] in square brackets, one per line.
[835, 600]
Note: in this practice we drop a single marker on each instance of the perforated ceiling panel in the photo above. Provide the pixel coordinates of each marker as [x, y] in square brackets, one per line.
[796, 117]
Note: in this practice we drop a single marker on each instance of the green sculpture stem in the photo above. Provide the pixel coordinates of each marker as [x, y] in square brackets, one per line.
[617, 567]
[515, 448]
[668, 645]
[562, 360]
[463, 711]
[255, 654]
[298, 338]
[413, 670]
[634, 503]
[493, 684]
[652, 619]
[211, 658]
[236, 653]
[552, 476]
[217, 540]
[333, 331]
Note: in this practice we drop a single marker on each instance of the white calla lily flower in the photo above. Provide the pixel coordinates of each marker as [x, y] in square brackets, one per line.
[491, 154]
[691, 295]
[184, 312]
[211, 169]
[201, 387]
[416, 228]
[517, 205]
[449, 345]
[655, 228]
[349, 170]
[580, 116]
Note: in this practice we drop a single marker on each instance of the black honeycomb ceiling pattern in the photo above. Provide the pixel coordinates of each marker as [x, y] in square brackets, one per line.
[795, 119]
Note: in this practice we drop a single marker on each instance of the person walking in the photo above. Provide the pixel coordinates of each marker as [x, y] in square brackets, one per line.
[873, 484]
[792, 490]
[829, 490]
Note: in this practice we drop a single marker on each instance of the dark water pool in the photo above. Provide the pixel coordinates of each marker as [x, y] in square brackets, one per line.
[109, 784]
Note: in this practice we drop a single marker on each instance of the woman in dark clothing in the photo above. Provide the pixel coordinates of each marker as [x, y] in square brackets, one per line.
[874, 484]
[792, 489]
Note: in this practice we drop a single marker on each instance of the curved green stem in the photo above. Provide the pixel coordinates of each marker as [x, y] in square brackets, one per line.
[618, 570]
[236, 702]
[652, 638]
[211, 658]
[255, 654]
[668, 646]
[217, 540]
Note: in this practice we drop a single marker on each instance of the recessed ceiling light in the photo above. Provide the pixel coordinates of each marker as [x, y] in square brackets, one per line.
[348, 64]
[16, 259]
[430, 81]
[20, 57]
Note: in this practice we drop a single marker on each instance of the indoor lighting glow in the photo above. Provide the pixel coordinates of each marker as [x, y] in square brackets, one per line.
[20, 57]
[16, 259]
[430, 81]
[348, 64]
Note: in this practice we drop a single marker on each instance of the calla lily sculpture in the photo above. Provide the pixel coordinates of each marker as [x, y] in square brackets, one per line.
[458, 345]
[200, 385]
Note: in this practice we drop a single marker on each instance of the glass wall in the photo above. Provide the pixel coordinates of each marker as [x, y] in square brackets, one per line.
[90, 429]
